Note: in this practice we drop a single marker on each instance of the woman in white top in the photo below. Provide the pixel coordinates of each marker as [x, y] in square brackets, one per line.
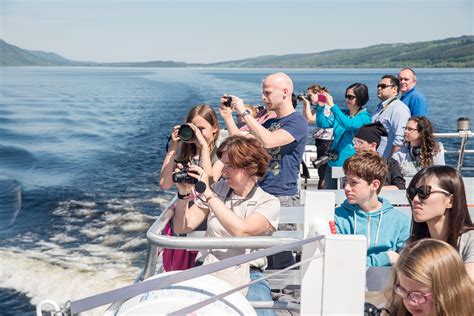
[421, 148]
[234, 206]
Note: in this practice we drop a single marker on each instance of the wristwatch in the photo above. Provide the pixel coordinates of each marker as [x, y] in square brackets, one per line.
[245, 113]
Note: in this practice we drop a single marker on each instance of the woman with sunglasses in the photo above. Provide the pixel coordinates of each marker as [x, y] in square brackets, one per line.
[344, 125]
[421, 148]
[428, 279]
[233, 207]
[439, 210]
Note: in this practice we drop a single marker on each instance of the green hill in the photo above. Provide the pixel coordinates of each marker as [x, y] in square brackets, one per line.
[455, 52]
[450, 52]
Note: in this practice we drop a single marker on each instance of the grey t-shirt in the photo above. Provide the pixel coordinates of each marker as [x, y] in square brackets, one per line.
[466, 246]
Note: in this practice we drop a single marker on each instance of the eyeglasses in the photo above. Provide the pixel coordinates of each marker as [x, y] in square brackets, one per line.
[383, 85]
[415, 297]
[409, 129]
[423, 192]
[350, 97]
[358, 143]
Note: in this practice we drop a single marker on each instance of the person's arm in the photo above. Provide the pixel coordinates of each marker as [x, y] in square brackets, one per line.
[253, 225]
[226, 113]
[167, 168]
[438, 159]
[268, 139]
[395, 149]
[308, 114]
[379, 259]
[322, 120]
[399, 120]
[204, 154]
[185, 218]
[350, 124]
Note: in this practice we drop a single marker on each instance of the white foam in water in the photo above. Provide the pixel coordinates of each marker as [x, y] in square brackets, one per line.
[41, 280]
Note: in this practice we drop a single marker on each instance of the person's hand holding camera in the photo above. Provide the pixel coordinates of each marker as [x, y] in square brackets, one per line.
[173, 145]
[199, 139]
[329, 99]
[186, 178]
[225, 107]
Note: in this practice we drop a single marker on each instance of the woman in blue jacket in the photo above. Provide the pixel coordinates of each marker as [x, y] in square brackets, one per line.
[344, 123]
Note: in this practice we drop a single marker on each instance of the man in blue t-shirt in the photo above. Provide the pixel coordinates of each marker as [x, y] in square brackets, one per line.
[284, 136]
[414, 99]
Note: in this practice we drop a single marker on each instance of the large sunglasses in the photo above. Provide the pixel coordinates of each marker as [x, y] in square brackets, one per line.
[423, 192]
[415, 297]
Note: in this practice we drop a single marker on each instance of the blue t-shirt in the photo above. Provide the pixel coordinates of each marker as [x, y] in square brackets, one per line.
[416, 102]
[282, 176]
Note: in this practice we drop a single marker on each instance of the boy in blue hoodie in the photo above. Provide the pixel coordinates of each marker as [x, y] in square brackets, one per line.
[365, 213]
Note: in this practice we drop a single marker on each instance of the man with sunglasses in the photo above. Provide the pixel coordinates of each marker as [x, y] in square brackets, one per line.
[392, 113]
[413, 98]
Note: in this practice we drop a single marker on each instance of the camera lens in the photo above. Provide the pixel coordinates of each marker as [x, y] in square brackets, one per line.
[186, 133]
[183, 177]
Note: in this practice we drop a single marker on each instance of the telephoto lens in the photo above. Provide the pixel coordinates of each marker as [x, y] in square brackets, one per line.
[228, 101]
[303, 95]
[185, 133]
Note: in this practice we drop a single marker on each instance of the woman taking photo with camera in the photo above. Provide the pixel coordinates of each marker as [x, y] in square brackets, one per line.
[197, 145]
[421, 148]
[439, 210]
[428, 279]
[344, 125]
[234, 206]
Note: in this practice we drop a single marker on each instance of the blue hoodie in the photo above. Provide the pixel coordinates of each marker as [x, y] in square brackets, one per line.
[386, 229]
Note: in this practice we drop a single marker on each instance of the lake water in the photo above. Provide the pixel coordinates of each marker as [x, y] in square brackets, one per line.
[80, 155]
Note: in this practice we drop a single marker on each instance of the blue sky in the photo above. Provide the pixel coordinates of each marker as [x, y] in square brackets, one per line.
[208, 31]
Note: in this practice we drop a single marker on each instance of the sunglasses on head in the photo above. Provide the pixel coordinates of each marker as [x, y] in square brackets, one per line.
[423, 192]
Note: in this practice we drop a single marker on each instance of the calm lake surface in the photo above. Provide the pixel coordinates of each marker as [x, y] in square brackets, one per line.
[80, 156]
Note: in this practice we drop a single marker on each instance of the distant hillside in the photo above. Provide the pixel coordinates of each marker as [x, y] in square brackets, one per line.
[451, 52]
[11, 55]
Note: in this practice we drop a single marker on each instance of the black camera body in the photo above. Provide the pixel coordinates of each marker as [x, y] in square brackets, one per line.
[186, 133]
[330, 155]
[303, 95]
[228, 101]
[183, 177]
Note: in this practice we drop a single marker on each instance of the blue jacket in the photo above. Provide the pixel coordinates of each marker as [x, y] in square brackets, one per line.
[416, 102]
[344, 128]
[386, 229]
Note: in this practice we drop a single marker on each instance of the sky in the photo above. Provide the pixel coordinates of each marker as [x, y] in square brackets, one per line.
[212, 31]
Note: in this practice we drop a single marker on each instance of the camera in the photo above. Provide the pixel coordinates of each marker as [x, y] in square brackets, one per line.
[185, 133]
[228, 101]
[183, 177]
[322, 98]
[330, 155]
[307, 96]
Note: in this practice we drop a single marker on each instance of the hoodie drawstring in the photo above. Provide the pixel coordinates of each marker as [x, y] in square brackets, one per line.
[368, 228]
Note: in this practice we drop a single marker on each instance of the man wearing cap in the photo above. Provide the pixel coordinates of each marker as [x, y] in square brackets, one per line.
[368, 138]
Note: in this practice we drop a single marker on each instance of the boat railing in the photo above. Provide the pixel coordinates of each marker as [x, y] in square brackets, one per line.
[464, 135]
[158, 241]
